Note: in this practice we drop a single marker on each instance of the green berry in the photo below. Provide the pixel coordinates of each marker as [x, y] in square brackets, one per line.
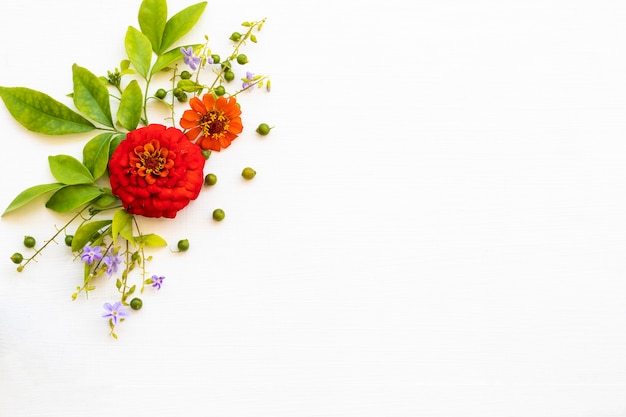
[68, 240]
[216, 58]
[242, 59]
[185, 75]
[248, 173]
[229, 75]
[210, 179]
[219, 90]
[29, 241]
[160, 93]
[17, 258]
[183, 245]
[136, 303]
[235, 36]
[206, 153]
[263, 129]
[218, 215]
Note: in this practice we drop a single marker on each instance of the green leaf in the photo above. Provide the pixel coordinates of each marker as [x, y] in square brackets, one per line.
[91, 96]
[152, 18]
[139, 50]
[129, 112]
[30, 194]
[86, 274]
[122, 225]
[86, 231]
[71, 197]
[151, 240]
[106, 199]
[171, 57]
[117, 139]
[96, 154]
[181, 23]
[69, 170]
[38, 112]
[188, 85]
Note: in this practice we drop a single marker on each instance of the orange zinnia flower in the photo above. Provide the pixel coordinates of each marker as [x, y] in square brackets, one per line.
[212, 123]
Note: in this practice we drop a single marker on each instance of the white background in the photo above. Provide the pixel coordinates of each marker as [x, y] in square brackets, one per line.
[437, 226]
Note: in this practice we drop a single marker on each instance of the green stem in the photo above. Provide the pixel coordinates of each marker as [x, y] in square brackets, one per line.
[53, 237]
[236, 50]
[142, 256]
[86, 288]
[252, 84]
[125, 275]
[173, 98]
[145, 101]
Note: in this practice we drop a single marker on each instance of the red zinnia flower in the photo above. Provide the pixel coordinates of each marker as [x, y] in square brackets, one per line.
[212, 123]
[156, 171]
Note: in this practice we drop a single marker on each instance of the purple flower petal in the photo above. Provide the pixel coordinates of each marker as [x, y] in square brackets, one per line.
[115, 312]
[189, 58]
[90, 254]
[157, 281]
[112, 261]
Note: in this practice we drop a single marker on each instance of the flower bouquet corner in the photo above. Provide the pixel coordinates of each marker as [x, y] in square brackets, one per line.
[132, 166]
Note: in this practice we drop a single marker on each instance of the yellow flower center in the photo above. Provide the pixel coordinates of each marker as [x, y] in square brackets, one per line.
[151, 161]
[214, 124]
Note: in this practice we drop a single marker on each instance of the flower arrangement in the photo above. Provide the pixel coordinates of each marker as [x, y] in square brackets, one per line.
[134, 167]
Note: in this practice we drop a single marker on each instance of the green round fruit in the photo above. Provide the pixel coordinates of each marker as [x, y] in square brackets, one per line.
[210, 179]
[229, 75]
[219, 90]
[248, 173]
[242, 59]
[17, 258]
[218, 215]
[263, 129]
[29, 241]
[136, 303]
[183, 245]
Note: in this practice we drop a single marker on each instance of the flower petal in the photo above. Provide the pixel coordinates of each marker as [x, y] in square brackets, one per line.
[170, 163]
[209, 101]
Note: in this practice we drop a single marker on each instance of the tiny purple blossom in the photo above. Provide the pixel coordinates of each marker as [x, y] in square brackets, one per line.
[248, 83]
[112, 261]
[157, 281]
[91, 254]
[190, 59]
[115, 311]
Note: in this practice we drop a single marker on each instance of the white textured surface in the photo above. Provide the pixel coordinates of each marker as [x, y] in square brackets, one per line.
[437, 226]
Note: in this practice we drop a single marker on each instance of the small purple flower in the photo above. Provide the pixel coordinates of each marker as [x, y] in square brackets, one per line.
[190, 59]
[112, 260]
[115, 311]
[157, 281]
[248, 80]
[91, 254]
